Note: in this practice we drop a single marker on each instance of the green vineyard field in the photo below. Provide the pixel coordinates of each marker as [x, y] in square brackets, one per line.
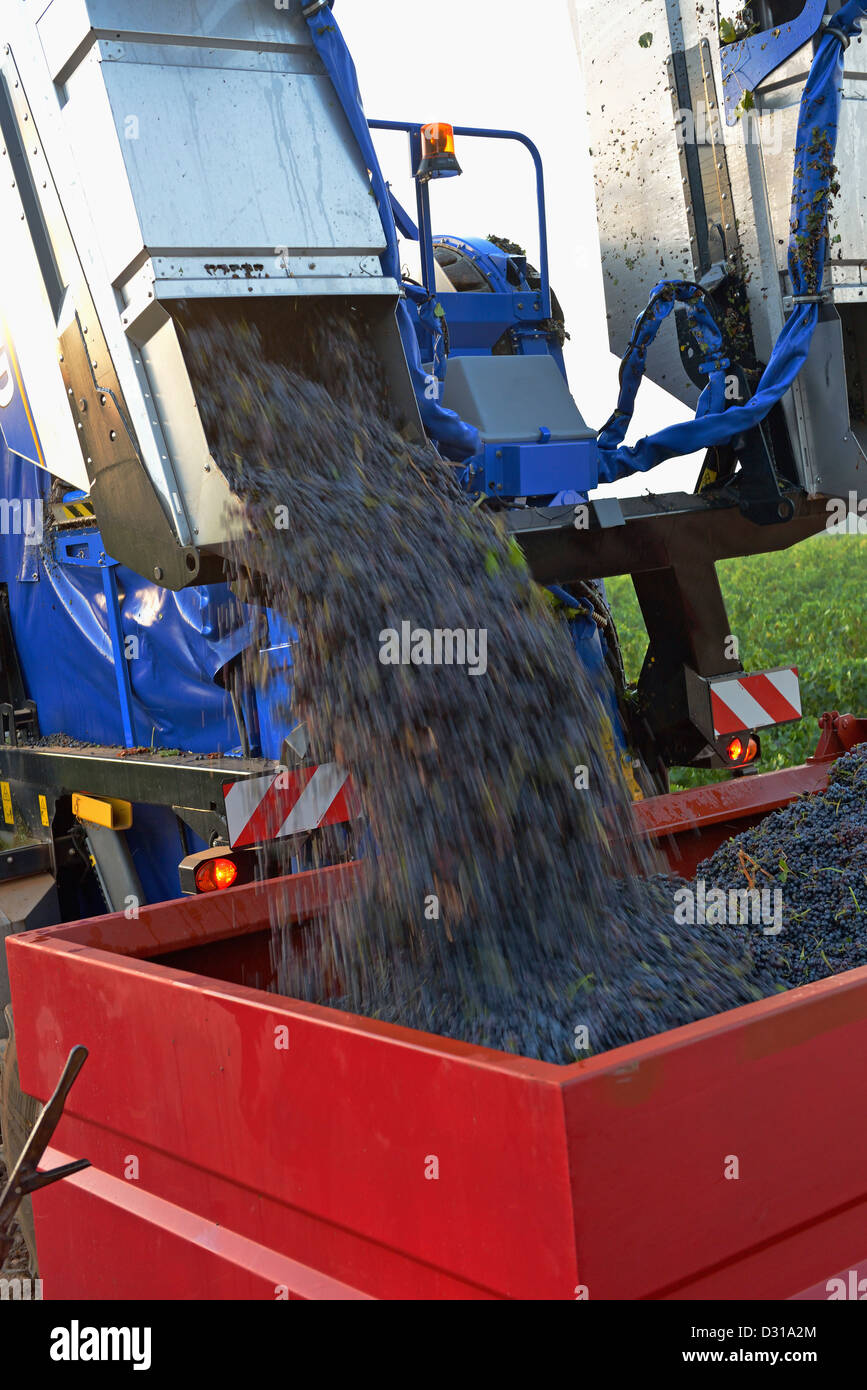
[805, 607]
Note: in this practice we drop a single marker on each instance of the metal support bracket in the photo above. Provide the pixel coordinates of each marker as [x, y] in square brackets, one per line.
[761, 499]
[18, 719]
[790, 300]
[828, 28]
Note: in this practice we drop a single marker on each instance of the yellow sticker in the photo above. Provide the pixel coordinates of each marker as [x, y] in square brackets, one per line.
[43, 811]
[628, 765]
[7, 803]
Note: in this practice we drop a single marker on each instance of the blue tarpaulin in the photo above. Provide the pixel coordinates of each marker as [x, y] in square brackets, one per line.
[61, 633]
[713, 423]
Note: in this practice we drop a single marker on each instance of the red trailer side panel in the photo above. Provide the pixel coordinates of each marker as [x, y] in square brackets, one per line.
[243, 1142]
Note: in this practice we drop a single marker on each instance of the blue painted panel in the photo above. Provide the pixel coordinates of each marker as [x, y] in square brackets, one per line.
[537, 470]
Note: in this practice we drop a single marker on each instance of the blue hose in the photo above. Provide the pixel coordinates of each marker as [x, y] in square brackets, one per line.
[456, 439]
[713, 423]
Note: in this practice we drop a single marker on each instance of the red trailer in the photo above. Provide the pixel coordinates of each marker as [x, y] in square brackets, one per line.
[247, 1145]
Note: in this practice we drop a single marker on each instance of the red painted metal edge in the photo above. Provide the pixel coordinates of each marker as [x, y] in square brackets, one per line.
[691, 824]
[183, 922]
[740, 798]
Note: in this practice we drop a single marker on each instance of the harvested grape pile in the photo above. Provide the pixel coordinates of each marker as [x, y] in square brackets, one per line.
[815, 853]
[502, 907]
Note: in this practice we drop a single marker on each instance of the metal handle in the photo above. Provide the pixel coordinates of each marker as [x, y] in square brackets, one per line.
[25, 1177]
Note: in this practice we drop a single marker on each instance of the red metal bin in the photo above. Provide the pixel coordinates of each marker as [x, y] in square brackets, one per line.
[365, 1160]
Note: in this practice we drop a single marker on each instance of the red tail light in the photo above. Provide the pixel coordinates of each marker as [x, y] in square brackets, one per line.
[214, 874]
[734, 750]
[740, 752]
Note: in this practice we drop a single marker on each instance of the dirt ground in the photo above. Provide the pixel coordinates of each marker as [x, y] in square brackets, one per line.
[17, 1262]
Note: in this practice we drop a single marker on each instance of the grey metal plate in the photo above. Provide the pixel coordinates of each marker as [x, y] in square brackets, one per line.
[841, 465]
[510, 399]
[644, 230]
[221, 162]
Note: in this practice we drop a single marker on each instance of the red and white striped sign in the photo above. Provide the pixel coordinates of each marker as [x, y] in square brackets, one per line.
[287, 803]
[755, 702]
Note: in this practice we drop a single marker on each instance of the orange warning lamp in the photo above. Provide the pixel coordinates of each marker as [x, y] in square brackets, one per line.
[438, 158]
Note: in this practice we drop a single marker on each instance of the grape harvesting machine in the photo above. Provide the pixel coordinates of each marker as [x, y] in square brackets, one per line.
[243, 1144]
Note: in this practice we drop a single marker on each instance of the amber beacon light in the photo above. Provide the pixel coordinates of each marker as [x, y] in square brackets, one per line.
[438, 158]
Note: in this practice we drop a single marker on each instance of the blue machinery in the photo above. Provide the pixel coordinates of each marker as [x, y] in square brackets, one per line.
[525, 469]
[531, 453]
[716, 422]
[502, 410]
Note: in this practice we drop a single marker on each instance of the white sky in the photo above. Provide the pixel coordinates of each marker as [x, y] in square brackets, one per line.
[511, 65]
